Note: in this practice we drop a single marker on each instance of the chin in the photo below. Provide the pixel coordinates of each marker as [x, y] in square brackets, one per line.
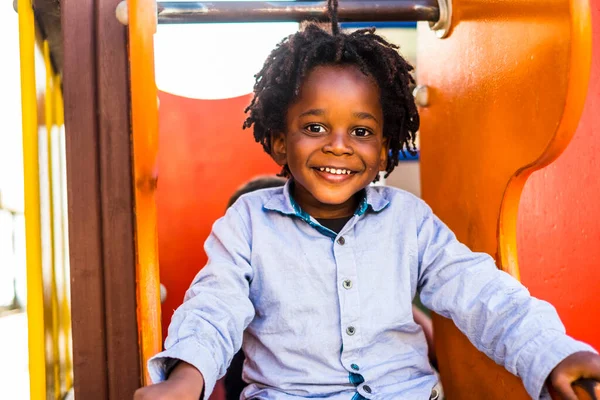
[333, 198]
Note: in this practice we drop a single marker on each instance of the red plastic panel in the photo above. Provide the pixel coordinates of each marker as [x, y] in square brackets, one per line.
[204, 156]
[559, 220]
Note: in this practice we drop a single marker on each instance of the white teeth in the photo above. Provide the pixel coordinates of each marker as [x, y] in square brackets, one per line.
[336, 171]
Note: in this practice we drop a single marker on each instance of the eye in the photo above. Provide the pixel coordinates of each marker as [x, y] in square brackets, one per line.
[362, 132]
[315, 128]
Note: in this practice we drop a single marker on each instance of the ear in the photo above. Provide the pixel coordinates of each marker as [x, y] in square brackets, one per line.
[278, 149]
[384, 155]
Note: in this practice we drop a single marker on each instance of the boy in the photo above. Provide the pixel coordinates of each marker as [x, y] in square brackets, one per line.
[233, 378]
[318, 276]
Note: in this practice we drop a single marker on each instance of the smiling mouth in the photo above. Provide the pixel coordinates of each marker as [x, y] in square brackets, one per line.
[334, 175]
[335, 171]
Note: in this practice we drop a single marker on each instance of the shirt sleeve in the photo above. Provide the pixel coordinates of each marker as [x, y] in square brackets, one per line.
[206, 330]
[494, 310]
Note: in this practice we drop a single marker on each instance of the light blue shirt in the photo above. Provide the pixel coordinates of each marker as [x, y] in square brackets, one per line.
[326, 315]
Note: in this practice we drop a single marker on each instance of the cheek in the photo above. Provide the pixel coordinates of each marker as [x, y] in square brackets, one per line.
[374, 160]
[372, 154]
[293, 153]
[299, 149]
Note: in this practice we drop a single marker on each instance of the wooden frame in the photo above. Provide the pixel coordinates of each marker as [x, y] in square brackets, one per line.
[100, 194]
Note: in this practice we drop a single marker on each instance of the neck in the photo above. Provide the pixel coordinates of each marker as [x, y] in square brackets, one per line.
[316, 209]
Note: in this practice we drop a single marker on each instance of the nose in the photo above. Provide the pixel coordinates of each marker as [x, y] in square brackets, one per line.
[338, 143]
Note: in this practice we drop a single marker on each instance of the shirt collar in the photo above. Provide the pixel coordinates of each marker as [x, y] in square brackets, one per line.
[284, 203]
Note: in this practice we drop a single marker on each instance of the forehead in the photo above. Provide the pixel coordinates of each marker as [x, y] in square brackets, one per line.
[339, 83]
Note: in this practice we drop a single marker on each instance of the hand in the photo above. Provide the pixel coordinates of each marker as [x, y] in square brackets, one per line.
[185, 383]
[578, 365]
[167, 390]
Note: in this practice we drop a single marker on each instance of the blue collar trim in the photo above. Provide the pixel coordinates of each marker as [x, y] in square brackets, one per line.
[284, 203]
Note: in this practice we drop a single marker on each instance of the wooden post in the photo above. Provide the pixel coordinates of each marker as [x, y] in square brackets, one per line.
[100, 194]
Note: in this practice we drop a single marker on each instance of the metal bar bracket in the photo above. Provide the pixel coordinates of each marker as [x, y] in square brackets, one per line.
[442, 26]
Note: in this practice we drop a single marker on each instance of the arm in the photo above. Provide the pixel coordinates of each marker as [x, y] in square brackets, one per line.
[206, 330]
[184, 383]
[491, 308]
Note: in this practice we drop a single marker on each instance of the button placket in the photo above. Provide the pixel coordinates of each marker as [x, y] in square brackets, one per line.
[348, 298]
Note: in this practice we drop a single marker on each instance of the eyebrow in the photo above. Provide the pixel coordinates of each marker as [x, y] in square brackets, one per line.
[365, 115]
[319, 112]
[313, 111]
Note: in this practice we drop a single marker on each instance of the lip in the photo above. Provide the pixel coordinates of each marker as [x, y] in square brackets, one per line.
[334, 178]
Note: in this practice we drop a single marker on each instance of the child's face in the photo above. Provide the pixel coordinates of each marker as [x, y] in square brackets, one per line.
[336, 123]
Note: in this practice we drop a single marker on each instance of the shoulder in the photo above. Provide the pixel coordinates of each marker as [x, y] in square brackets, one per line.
[258, 197]
[401, 200]
[253, 202]
[246, 211]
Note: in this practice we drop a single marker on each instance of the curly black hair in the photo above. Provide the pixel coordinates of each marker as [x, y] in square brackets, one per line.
[278, 82]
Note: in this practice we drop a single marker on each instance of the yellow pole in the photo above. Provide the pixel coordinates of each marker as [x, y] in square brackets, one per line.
[35, 303]
[59, 112]
[49, 122]
[65, 308]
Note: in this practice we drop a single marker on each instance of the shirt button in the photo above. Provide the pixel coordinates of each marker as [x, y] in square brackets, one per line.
[367, 388]
[350, 330]
[341, 241]
[347, 284]
[354, 367]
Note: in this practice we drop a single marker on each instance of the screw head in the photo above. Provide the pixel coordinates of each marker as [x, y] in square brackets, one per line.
[421, 94]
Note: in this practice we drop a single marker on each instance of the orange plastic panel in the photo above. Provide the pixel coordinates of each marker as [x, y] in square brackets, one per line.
[204, 157]
[144, 113]
[559, 220]
[505, 98]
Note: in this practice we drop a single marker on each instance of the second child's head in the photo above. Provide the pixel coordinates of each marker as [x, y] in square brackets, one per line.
[334, 109]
